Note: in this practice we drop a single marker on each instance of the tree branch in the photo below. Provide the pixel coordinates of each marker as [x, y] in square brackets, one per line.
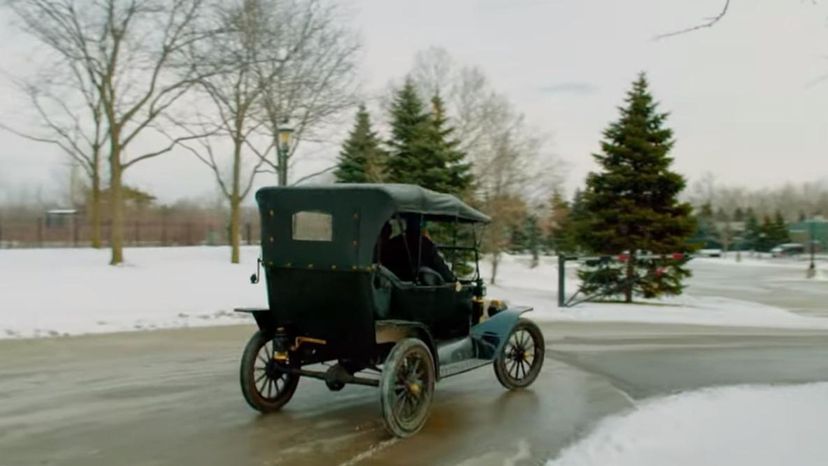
[710, 23]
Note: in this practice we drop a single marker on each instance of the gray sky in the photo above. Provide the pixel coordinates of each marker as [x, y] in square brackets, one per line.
[744, 96]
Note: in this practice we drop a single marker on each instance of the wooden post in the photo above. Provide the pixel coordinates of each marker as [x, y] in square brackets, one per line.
[249, 231]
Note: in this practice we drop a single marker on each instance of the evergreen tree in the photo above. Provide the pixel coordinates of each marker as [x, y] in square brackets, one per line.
[458, 177]
[422, 149]
[738, 215]
[707, 234]
[561, 234]
[766, 233]
[362, 159]
[632, 203]
[752, 230]
[780, 233]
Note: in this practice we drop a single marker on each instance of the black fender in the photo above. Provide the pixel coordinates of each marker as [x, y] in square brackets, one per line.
[392, 331]
[490, 335]
[264, 318]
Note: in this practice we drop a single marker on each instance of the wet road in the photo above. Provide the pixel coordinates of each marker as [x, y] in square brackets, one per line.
[172, 397]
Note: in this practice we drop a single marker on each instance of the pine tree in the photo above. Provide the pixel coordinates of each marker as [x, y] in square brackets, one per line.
[560, 226]
[766, 232]
[752, 230]
[632, 203]
[707, 234]
[362, 158]
[446, 150]
[422, 150]
[781, 234]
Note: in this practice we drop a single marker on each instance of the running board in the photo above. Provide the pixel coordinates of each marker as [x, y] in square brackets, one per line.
[460, 367]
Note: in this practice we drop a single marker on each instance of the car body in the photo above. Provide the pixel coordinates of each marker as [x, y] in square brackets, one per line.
[788, 250]
[327, 253]
[709, 252]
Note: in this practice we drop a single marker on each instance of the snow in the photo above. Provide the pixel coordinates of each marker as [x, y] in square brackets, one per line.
[519, 284]
[50, 292]
[739, 425]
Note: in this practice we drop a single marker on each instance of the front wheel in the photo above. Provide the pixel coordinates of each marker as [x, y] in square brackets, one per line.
[407, 387]
[520, 362]
[265, 387]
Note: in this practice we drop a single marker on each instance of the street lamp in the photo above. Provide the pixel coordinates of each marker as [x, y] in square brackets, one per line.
[285, 139]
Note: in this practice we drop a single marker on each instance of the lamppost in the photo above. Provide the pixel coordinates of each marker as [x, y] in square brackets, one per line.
[285, 134]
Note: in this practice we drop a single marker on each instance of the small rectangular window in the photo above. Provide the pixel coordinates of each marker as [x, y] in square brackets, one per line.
[312, 226]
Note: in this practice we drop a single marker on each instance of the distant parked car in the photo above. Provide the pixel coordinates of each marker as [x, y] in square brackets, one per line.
[709, 252]
[788, 250]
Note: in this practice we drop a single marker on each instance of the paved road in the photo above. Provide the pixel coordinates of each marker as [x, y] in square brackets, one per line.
[171, 398]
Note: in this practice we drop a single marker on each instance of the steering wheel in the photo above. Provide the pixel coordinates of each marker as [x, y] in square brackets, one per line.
[429, 277]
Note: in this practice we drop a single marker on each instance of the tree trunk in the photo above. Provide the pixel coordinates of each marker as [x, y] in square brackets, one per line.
[235, 221]
[628, 286]
[116, 207]
[235, 201]
[95, 211]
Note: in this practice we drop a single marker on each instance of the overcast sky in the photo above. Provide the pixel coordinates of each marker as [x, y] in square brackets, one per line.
[745, 97]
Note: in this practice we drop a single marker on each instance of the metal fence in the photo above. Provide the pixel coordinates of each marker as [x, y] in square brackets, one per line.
[39, 233]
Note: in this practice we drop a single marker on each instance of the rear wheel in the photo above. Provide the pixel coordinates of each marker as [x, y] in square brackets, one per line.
[265, 387]
[407, 387]
[520, 362]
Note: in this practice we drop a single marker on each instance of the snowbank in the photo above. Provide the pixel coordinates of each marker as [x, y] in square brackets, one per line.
[711, 311]
[733, 426]
[48, 292]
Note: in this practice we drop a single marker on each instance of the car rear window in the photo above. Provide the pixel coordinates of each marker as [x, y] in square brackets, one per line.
[312, 226]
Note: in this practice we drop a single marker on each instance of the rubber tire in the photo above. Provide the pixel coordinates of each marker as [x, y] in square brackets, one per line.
[248, 381]
[540, 351]
[387, 382]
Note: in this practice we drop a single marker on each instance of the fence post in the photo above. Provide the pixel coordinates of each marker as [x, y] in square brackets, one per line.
[249, 231]
[561, 280]
[137, 233]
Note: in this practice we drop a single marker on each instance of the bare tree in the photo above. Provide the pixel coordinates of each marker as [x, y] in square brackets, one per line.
[130, 52]
[513, 167]
[233, 86]
[77, 128]
[313, 78]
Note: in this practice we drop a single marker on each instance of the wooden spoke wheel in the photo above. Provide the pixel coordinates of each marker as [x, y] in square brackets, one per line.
[520, 362]
[407, 387]
[265, 386]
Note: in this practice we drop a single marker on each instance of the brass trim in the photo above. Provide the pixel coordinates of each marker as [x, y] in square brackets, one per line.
[299, 340]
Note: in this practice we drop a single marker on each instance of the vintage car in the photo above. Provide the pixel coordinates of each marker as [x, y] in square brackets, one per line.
[359, 293]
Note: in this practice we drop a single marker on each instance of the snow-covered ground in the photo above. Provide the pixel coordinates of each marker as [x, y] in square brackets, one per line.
[740, 425]
[50, 292]
[519, 284]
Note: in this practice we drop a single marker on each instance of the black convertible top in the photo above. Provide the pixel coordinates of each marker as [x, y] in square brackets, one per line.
[405, 198]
